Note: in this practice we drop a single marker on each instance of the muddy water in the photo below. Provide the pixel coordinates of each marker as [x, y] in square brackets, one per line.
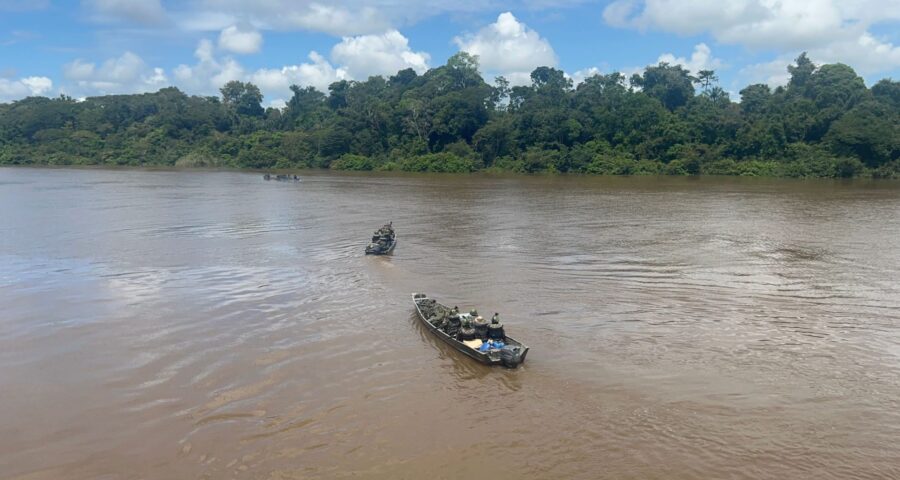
[213, 325]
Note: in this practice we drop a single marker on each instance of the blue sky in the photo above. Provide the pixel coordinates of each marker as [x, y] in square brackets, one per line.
[95, 47]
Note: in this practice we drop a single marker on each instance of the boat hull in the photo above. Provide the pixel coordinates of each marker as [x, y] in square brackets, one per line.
[386, 251]
[490, 359]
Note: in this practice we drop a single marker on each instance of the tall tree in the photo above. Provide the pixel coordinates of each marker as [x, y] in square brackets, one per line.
[671, 85]
[707, 79]
[244, 98]
[801, 71]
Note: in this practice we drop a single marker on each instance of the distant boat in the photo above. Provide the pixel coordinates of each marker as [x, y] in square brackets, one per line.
[510, 355]
[383, 241]
[281, 178]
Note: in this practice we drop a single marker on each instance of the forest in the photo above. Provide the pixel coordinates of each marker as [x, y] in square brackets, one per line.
[824, 123]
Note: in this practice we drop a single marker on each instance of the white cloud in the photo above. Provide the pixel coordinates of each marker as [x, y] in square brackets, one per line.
[78, 70]
[157, 79]
[383, 54]
[205, 21]
[509, 48]
[319, 73]
[833, 30]
[148, 12]
[124, 74]
[773, 73]
[701, 59]
[209, 73]
[23, 87]
[240, 38]
[868, 55]
[865, 53]
[37, 85]
[340, 17]
[352, 58]
[580, 75]
[337, 20]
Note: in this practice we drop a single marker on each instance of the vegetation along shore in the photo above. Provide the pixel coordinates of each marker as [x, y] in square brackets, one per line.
[824, 123]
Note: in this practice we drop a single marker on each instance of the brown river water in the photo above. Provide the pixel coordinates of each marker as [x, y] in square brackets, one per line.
[178, 324]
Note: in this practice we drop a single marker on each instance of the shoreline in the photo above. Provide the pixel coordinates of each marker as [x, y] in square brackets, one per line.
[476, 174]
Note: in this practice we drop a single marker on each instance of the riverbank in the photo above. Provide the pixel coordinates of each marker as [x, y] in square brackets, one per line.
[821, 167]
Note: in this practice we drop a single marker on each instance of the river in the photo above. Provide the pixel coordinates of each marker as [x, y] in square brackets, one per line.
[184, 324]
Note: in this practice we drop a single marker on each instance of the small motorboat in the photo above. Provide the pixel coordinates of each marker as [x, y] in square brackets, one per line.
[383, 241]
[281, 178]
[490, 346]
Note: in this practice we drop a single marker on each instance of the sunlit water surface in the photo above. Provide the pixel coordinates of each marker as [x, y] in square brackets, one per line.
[165, 324]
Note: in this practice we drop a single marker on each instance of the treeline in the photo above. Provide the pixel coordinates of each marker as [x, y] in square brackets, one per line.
[824, 123]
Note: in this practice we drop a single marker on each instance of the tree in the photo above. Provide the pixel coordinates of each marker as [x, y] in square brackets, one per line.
[500, 93]
[825, 122]
[801, 71]
[244, 98]
[888, 92]
[869, 132]
[706, 79]
[462, 71]
[302, 109]
[671, 85]
[546, 79]
[755, 98]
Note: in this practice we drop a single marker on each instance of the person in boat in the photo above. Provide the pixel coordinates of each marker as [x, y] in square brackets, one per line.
[451, 326]
[495, 329]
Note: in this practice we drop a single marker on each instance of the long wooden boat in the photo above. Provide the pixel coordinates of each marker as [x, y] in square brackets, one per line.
[384, 233]
[515, 350]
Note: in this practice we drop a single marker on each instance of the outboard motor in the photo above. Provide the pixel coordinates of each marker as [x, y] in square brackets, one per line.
[509, 356]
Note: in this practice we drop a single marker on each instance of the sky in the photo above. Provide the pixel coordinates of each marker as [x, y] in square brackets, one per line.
[97, 47]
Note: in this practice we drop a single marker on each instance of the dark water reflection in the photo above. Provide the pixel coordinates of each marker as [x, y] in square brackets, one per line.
[213, 325]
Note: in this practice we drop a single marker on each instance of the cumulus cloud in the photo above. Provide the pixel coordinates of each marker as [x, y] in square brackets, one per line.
[335, 18]
[241, 38]
[508, 47]
[340, 17]
[580, 75]
[835, 30]
[147, 12]
[701, 59]
[318, 73]
[866, 53]
[352, 58]
[124, 74]
[773, 73]
[868, 56]
[209, 73]
[23, 87]
[383, 54]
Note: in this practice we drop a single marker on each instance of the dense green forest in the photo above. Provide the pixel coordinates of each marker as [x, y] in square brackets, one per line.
[824, 123]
